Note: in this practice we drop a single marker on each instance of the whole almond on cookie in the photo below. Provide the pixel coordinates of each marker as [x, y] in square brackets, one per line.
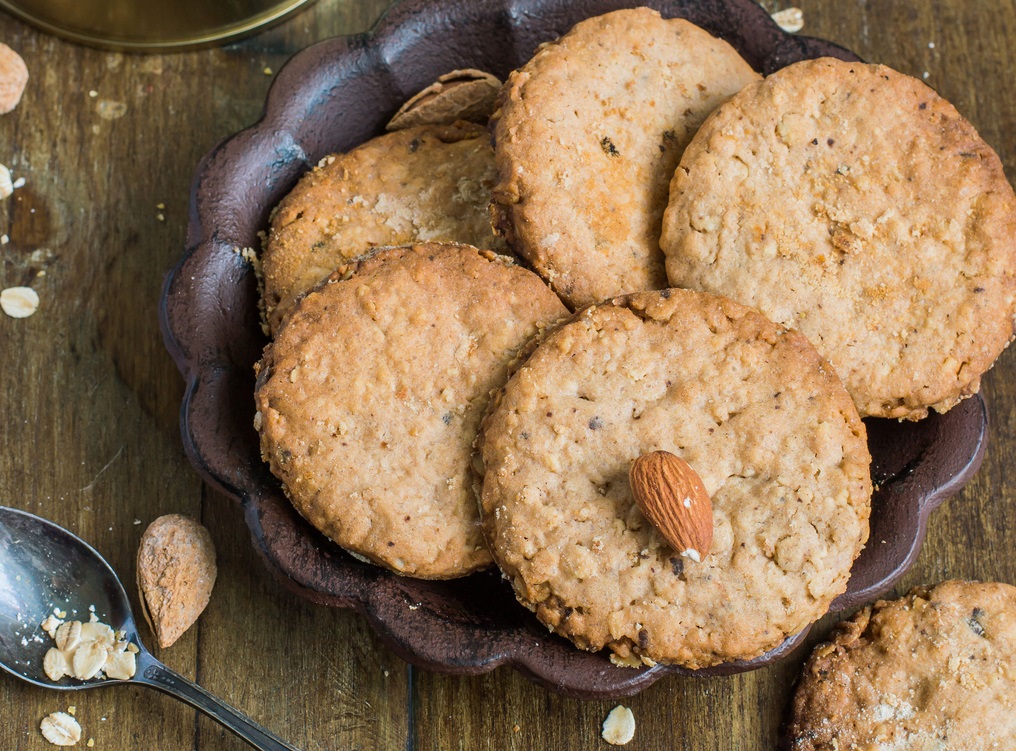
[176, 573]
[459, 95]
[674, 500]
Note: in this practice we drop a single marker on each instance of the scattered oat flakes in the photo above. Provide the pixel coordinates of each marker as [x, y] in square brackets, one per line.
[93, 93]
[60, 729]
[19, 183]
[619, 727]
[88, 650]
[72, 710]
[91, 743]
[19, 302]
[791, 20]
[268, 71]
[161, 217]
[160, 206]
[13, 78]
[111, 110]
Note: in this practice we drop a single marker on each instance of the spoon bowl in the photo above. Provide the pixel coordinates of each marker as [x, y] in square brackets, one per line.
[45, 570]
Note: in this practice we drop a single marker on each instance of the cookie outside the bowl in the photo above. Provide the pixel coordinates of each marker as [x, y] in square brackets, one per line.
[933, 669]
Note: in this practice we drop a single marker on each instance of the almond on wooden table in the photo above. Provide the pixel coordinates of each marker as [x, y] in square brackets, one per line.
[13, 78]
[674, 500]
[176, 573]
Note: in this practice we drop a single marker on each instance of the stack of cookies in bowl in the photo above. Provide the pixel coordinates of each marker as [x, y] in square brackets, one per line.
[625, 352]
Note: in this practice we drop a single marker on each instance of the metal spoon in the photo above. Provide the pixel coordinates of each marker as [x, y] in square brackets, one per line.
[44, 567]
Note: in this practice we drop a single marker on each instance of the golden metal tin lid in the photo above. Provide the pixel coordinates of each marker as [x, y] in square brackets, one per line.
[151, 25]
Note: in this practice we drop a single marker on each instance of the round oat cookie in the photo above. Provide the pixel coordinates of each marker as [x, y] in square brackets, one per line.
[853, 203]
[370, 397]
[423, 184]
[750, 406]
[587, 137]
[933, 670]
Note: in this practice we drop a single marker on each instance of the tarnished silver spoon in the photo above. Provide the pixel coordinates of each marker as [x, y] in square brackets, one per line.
[44, 567]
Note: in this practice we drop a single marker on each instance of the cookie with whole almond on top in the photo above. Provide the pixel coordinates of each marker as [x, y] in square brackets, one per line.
[673, 477]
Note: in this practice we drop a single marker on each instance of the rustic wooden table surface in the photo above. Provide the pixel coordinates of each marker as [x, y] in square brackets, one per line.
[89, 402]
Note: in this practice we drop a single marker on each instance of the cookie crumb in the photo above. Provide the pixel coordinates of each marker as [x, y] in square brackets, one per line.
[60, 729]
[111, 110]
[619, 727]
[20, 302]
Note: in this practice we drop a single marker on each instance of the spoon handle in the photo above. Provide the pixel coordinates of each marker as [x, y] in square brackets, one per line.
[153, 673]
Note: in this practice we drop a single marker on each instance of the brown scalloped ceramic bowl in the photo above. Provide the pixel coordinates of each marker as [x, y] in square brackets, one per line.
[334, 96]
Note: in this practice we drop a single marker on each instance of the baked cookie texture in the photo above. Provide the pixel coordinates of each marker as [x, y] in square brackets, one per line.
[429, 183]
[370, 397]
[853, 203]
[754, 410]
[587, 135]
[935, 669]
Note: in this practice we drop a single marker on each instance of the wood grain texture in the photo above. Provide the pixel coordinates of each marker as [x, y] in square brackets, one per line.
[89, 401]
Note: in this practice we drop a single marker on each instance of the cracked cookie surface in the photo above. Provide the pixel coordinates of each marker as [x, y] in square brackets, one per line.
[370, 397]
[935, 669]
[750, 406]
[854, 204]
[587, 136]
[424, 184]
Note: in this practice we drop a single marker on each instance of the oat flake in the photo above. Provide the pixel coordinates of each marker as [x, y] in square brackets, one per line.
[19, 302]
[6, 186]
[619, 727]
[791, 20]
[60, 729]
